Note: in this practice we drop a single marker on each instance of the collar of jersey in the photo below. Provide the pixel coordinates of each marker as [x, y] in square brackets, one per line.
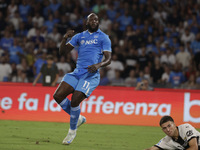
[94, 32]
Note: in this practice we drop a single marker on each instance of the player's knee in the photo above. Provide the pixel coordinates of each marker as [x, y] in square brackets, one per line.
[74, 103]
[57, 98]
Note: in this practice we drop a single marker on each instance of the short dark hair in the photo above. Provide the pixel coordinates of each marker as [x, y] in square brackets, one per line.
[49, 57]
[165, 119]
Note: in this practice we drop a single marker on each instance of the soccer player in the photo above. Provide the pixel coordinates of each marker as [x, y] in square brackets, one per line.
[183, 137]
[92, 45]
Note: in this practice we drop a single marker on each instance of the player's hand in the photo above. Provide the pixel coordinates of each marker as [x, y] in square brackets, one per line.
[69, 34]
[93, 68]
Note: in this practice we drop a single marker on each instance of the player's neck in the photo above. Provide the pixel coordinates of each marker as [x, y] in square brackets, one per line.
[90, 32]
[176, 134]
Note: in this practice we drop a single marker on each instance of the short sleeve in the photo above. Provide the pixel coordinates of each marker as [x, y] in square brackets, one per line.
[164, 143]
[106, 44]
[189, 131]
[74, 41]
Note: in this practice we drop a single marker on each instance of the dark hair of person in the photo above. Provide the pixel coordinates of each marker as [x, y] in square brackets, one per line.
[49, 57]
[165, 119]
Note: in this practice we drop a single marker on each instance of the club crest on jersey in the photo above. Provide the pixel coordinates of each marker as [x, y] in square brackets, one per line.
[82, 42]
[89, 42]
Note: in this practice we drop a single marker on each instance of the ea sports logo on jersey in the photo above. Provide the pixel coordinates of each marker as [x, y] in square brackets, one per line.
[189, 108]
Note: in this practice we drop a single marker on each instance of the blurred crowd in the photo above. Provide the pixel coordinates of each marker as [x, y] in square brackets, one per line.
[155, 40]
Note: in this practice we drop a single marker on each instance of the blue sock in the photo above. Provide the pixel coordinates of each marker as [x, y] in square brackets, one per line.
[66, 105]
[75, 112]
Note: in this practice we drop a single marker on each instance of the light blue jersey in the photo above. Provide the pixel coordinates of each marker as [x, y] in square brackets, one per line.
[90, 51]
[90, 47]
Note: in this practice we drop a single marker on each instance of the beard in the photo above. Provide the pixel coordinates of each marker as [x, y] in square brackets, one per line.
[89, 27]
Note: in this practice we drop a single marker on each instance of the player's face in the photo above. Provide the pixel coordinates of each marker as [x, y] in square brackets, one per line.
[169, 128]
[93, 23]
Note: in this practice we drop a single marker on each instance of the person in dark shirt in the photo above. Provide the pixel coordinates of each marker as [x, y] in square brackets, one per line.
[49, 73]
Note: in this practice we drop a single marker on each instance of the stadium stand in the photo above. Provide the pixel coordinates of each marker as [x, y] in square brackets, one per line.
[154, 39]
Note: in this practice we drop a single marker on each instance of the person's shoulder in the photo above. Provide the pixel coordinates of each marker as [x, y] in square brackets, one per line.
[101, 32]
[185, 125]
[166, 139]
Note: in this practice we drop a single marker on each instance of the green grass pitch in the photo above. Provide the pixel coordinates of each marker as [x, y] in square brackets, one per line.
[28, 135]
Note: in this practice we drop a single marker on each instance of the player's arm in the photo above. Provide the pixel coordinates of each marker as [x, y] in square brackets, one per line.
[55, 81]
[105, 62]
[37, 78]
[193, 144]
[66, 48]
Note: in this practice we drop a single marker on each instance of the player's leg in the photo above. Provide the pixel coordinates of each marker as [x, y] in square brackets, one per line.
[83, 89]
[77, 98]
[60, 96]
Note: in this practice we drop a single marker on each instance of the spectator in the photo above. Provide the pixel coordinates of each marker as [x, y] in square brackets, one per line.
[64, 24]
[131, 79]
[103, 78]
[20, 76]
[12, 8]
[3, 23]
[191, 83]
[125, 20]
[143, 58]
[168, 57]
[16, 20]
[49, 23]
[55, 36]
[54, 6]
[15, 52]
[104, 23]
[187, 36]
[144, 85]
[7, 41]
[157, 71]
[32, 31]
[41, 59]
[26, 72]
[63, 65]
[176, 77]
[118, 80]
[195, 45]
[22, 31]
[165, 75]
[184, 58]
[24, 10]
[111, 12]
[131, 60]
[160, 14]
[60, 75]
[147, 74]
[115, 65]
[38, 38]
[49, 73]
[6, 70]
[3, 7]
[98, 6]
[38, 19]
